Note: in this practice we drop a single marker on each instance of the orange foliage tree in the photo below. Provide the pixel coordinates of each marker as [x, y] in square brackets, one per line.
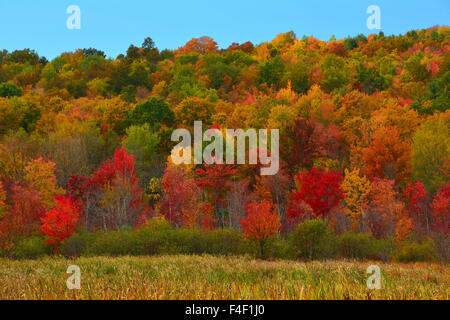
[200, 45]
[262, 222]
[385, 213]
[388, 156]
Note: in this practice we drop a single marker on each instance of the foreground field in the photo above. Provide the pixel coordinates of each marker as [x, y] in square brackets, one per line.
[208, 277]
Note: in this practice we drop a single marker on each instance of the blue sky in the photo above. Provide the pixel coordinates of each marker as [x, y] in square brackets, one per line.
[113, 25]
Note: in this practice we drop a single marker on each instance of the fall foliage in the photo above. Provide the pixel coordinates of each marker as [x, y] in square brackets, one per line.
[85, 140]
[59, 223]
[261, 223]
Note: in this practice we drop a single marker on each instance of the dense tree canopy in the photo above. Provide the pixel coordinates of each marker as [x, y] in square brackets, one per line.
[364, 136]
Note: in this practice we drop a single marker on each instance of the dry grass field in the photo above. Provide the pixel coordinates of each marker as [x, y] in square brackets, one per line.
[209, 277]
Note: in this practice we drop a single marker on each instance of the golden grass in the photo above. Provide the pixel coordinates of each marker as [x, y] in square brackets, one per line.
[208, 277]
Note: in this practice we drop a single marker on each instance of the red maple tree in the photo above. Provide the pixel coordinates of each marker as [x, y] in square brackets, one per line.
[59, 223]
[418, 206]
[320, 189]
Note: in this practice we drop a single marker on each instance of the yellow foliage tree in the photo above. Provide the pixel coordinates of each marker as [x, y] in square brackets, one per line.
[357, 190]
[40, 175]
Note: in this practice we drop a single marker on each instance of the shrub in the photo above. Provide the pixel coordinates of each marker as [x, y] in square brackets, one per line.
[78, 244]
[158, 237]
[281, 249]
[356, 245]
[314, 239]
[115, 243]
[227, 242]
[31, 248]
[154, 237]
[416, 252]
[383, 249]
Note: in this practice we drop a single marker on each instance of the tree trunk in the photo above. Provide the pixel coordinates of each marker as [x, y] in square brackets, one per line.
[261, 247]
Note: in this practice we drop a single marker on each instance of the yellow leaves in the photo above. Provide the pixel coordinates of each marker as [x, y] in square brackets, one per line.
[281, 117]
[403, 117]
[327, 164]
[16, 149]
[263, 52]
[160, 90]
[357, 189]
[286, 94]
[431, 151]
[114, 111]
[311, 102]
[9, 118]
[154, 188]
[40, 176]
[192, 109]
[403, 227]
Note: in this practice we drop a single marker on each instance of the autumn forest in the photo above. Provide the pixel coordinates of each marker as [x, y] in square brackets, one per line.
[364, 172]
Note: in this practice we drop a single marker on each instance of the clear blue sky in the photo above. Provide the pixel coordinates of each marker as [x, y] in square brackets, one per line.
[112, 25]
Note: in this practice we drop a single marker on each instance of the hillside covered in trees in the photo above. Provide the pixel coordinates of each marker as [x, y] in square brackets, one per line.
[364, 138]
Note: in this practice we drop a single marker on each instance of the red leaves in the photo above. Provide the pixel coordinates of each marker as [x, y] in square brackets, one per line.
[418, 206]
[59, 223]
[22, 216]
[180, 194]
[262, 221]
[441, 210]
[298, 211]
[122, 165]
[201, 45]
[213, 177]
[112, 197]
[214, 180]
[320, 189]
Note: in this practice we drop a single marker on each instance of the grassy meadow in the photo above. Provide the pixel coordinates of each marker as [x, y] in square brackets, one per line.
[210, 277]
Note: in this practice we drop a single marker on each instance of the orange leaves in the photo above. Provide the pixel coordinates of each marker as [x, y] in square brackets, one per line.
[337, 48]
[387, 156]
[262, 221]
[384, 209]
[201, 45]
[357, 189]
